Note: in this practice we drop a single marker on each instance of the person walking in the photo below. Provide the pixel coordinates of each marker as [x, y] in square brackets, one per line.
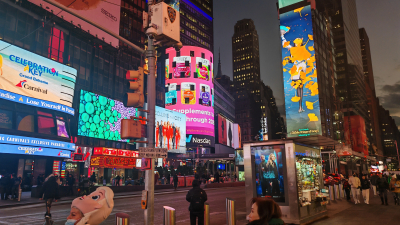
[365, 186]
[117, 179]
[3, 187]
[374, 178]
[346, 188]
[382, 185]
[395, 189]
[265, 212]
[355, 183]
[197, 197]
[50, 193]
[175, 178]
[216, 177]
[70, 184]
[15, 187]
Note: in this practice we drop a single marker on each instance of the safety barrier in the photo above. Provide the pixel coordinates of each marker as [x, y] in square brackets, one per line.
[121, 219]
[206, 214]
[230, 212]
[169, 216]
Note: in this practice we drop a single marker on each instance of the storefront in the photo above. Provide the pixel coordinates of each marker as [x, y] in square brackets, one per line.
[79, 162]
[290, 174]
[34, 156]
[107, 163]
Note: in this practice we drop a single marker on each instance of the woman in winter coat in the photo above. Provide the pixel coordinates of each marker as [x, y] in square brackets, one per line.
[49, 193]
[265, 212]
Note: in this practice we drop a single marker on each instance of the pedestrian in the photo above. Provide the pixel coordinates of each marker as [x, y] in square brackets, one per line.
[346, 188]
[168, 178]
[75, 215]
[3, 186]
[265, 212]
[93, 178]
[216, 177]
[15, 188]
[374, 178]
[394, 187]
[365, 185]
[355, 183]
[70, 184]
[117, 179]
[50, 193]
[156, 177]
[175, 178]
[197, 197]
[382, 185]
[235, 177]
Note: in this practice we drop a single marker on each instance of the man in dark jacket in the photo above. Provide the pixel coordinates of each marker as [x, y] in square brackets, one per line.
[175, 178]
[197, 197]
[70, 183]
[50, 192]
[374, 178]
[3, 187]
[382, 186]
[365, 185]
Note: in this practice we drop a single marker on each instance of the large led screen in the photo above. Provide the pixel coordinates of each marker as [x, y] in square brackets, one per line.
[300, 73]
[100, 117]
[269, 171]
[34, 80]
[237, 141]
[355, 134]
[107, 13]
[170, 130]
[222, 133]
[284, 3]
[189, 88]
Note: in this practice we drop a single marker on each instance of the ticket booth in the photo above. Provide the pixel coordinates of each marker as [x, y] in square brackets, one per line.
[289, 173]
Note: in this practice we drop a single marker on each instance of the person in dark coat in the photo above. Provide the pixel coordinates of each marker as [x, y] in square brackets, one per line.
[50, 193]
[216, 177]
[70, 184]
[382, 186]
[374, 178]
[117, 179]
[197, 197]
[175, 181]
[365, 186]
[3, 186]
[346, 188]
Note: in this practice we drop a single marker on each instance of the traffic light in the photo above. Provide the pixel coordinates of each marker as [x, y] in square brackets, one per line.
[136, 83]
[131, 129]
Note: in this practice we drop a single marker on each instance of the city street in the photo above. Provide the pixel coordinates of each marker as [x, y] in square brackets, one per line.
[339, 212]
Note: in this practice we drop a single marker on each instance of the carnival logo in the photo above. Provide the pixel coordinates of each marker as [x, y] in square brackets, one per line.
[30, 150]
[33, 68]
[23, 84]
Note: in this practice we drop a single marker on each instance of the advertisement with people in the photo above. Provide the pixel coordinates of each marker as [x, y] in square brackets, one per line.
[107, 13]
[222, 133]
[269, 171]
[237, 140]
[300, 73]
[239, 159]
[100, 117]
[34, 80]
[229, 133]
[189, 88]
[170, 130]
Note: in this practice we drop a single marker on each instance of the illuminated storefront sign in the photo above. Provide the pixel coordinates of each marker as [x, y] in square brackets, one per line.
[300, 73]
[189, 88]
[35, 80]
[112, 162]
[115, 152]
[27, 141]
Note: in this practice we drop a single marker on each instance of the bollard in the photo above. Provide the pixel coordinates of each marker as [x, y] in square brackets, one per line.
[121, 219]
[230, 212]
[331, 193]
[206, 214]
[169, 216]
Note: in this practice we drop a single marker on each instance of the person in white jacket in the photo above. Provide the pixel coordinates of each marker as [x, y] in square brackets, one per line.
[355, 183]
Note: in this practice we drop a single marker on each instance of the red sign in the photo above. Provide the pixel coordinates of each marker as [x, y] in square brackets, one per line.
[355, 133]
[113, 162]
[146, 164]
[115, 152]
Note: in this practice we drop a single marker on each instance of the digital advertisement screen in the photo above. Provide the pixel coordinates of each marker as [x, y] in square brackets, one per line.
[239, 160]
[300, 73]
[107, 13]
[222, 133]
[269, 171]
[229, 133]
[221, 166]
[284, 3]
[189, 88]
[35, 80]
[237, 140]
[100, 117]
[356, 136]
[170, 130]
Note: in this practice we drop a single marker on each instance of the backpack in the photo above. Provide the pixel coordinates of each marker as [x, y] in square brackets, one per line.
[197, 201]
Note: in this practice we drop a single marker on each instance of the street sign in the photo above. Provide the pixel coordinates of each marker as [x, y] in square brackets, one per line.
[153, 152]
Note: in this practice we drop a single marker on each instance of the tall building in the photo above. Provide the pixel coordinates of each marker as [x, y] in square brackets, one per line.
[373, 113]
[350, 87]
[197, 23]
[223, 80]
[390, 133]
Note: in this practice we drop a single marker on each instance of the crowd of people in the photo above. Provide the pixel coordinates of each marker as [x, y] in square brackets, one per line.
[381, 184]
[9, 186]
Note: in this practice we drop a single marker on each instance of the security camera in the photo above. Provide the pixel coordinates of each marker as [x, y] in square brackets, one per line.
[178, 46]
[151, 32]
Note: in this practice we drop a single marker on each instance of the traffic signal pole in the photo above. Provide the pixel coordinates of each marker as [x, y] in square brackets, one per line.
[151, 107]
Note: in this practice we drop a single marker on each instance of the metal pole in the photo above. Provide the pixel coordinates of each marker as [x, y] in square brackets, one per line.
[169, 216]
[62, 7]
[121, 219]
[151, 105]
[206, 214]
[230, 212]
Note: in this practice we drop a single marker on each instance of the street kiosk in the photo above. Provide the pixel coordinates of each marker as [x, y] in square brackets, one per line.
[289, 173]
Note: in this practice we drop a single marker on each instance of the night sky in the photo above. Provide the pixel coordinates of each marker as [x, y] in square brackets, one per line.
[380, 18]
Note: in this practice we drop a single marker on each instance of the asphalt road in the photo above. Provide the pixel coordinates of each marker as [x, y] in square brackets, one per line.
[34, 214]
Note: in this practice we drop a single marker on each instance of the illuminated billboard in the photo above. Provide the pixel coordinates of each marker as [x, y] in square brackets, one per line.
[107, 13]
[170, 130]
[189, 88]
[34, 80]
[355, 134]
[100, 117]
[237, 140]
[222, 133]
[284, 3]
[300, 73]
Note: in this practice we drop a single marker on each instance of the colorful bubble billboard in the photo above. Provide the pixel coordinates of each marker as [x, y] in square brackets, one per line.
[100, 117]
[300, 73]
[189, 88]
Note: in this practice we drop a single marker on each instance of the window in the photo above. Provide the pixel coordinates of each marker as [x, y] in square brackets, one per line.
[45, 123]
[6, 118]
[25, 122]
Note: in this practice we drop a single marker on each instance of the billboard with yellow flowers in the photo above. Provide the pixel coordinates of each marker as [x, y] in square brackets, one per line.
[300, 73]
